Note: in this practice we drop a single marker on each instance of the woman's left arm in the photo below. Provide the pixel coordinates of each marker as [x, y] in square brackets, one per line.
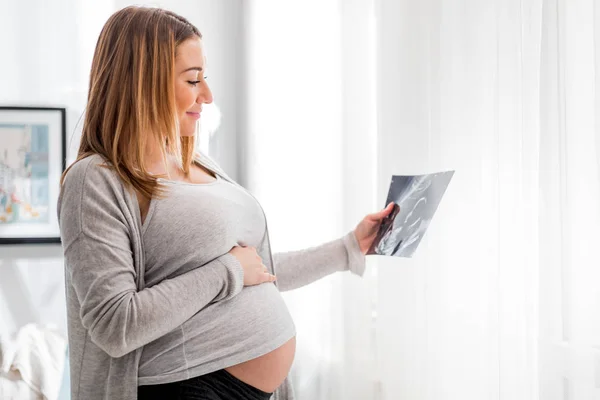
[295, 269]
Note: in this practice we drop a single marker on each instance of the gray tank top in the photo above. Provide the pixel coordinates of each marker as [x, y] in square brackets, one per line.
[205, 221]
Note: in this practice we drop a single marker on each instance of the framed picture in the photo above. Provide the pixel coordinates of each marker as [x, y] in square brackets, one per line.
[32, 159]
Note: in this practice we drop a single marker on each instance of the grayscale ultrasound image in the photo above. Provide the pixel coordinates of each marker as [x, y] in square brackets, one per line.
[416, 199]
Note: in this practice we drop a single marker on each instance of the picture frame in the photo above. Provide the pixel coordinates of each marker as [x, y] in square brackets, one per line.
[32, 160]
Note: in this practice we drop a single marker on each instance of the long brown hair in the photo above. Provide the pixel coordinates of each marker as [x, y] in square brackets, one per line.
[132, 96]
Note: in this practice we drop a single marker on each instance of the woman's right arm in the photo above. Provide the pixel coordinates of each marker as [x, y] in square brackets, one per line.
[99, 261]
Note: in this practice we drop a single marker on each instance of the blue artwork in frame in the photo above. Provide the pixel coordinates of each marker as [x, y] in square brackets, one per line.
[32, 159]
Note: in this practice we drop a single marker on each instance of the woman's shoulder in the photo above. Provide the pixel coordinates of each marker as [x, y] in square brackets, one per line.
[91, 168]
[89, 189]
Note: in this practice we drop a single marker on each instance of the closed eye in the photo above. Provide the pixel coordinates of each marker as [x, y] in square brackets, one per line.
[194, 83]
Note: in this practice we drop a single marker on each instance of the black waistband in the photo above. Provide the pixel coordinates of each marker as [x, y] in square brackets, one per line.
[218, 385]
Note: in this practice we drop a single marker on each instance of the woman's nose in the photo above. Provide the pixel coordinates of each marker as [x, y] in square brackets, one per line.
[205, 96]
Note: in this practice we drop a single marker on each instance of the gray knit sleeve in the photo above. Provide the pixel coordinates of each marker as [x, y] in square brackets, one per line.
[295, 269]
[99, 260]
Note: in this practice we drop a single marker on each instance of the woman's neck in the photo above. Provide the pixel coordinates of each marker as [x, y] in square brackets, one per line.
[156, 163]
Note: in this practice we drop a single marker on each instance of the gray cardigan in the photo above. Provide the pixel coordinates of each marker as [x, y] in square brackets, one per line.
[112, 315]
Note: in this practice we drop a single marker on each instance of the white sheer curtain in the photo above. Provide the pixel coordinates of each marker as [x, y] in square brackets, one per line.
[570, 201]
[459, 89]
[502, 299]
[313, 179]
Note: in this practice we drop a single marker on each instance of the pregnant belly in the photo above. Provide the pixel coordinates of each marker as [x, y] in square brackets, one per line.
[268, 371]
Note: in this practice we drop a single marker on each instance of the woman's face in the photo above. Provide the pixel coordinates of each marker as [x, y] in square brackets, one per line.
[191, 89]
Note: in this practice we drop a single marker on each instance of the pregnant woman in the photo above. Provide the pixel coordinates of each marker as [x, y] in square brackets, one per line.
[172, 290]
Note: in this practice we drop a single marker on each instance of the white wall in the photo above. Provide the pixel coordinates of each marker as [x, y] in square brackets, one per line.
[46, 61]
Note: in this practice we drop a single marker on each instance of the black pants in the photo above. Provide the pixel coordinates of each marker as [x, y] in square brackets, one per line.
[219, 385]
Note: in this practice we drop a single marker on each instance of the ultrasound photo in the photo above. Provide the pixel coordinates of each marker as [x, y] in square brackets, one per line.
[415, 198]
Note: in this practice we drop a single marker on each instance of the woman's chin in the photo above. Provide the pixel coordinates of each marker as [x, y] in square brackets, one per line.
[187, 130]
